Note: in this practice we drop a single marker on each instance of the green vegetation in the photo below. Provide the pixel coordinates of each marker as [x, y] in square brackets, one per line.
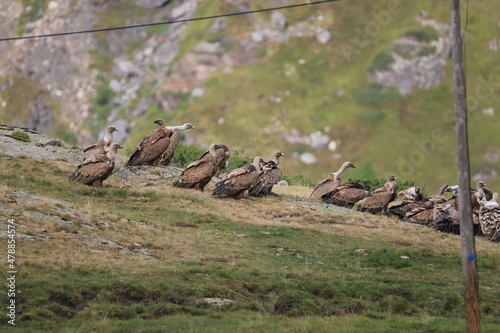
[381, 62]
[376, 95]
[425, 51]
[21, 136]
[35, 12]
[281, 277]
[185, 154]
[102, 106]
[372, 184]
[426, 34]
[298, 180]
[66, 135]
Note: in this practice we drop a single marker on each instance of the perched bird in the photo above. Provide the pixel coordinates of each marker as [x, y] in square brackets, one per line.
[199, 173]
[103, 144]
[446, 214]
[409, 198]
[422, 212]
[489, 218]
[271, 174]
[331, 182]
[96, 169]
[345, 195]
[379, 199]
[167, 155]
[222, 159]
[153, 145]
[236, 182]
[483, 192]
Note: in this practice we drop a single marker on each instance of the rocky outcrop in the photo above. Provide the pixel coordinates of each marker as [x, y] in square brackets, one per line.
[416, 63]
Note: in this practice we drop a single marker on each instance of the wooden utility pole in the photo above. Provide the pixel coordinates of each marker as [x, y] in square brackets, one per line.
[469, 265]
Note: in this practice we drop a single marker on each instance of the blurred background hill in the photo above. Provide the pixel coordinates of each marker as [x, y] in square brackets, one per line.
[369, 82]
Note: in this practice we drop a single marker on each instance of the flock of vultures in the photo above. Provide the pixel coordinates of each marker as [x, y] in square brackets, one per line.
[436, 211]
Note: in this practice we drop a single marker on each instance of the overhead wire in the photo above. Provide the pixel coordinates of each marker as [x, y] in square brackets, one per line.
[309, 3]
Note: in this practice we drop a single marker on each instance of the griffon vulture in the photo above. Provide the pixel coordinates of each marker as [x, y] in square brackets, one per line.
[167, 155]
[379, 199]
[489, 217]
[422, 212]
[236, 182]
[199, 173]
[483, 192]
[345, 195]
[409, 198]
[103, 144]
[96, 169]
[271, 174]
[331, 182]
[221, 161]
[151, 148]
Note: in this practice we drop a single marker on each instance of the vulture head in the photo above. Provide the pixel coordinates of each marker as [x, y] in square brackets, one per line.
[115, 146]
[349, 165]
[112, 129]
[160, 122]
[480, 184]
[392, 178]
[453, 189]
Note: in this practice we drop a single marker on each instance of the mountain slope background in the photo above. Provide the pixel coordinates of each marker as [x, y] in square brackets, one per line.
[365, 82]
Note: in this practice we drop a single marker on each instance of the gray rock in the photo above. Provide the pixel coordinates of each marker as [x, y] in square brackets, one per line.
[214, 301]
[166, 101]
[151, 3]
[207, 47]
[218, 26]
[278, 21]
[183, 11]
[319, 141]
[142, 107]
[308, 158]
[323, 36]
[115, 86]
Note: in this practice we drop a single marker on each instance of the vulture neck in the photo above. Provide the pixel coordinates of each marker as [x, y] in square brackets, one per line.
[211, 150]
[390, 185]
[180, 128]
[340, 171]
[256, 163]
[277, 159]
[108, 138]
[111, 154]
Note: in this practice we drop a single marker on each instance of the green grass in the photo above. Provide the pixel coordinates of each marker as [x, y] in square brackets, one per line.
[282, 277]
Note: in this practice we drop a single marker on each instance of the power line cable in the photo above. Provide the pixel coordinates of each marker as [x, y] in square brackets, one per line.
[166, 22]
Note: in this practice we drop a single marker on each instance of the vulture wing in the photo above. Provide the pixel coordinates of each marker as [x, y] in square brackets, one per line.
[151, 147]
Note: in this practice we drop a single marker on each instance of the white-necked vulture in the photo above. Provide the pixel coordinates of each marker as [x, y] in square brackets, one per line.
[199, 173]
[102, 146]
[271, 174]
[331, 182]
[489, 218]
[151, 148]
[237, 181]
[96, 169]
[379, 199]
[167, 155]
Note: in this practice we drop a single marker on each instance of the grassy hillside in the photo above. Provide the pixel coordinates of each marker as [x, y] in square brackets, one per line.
[398, 136]
[131, 257]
